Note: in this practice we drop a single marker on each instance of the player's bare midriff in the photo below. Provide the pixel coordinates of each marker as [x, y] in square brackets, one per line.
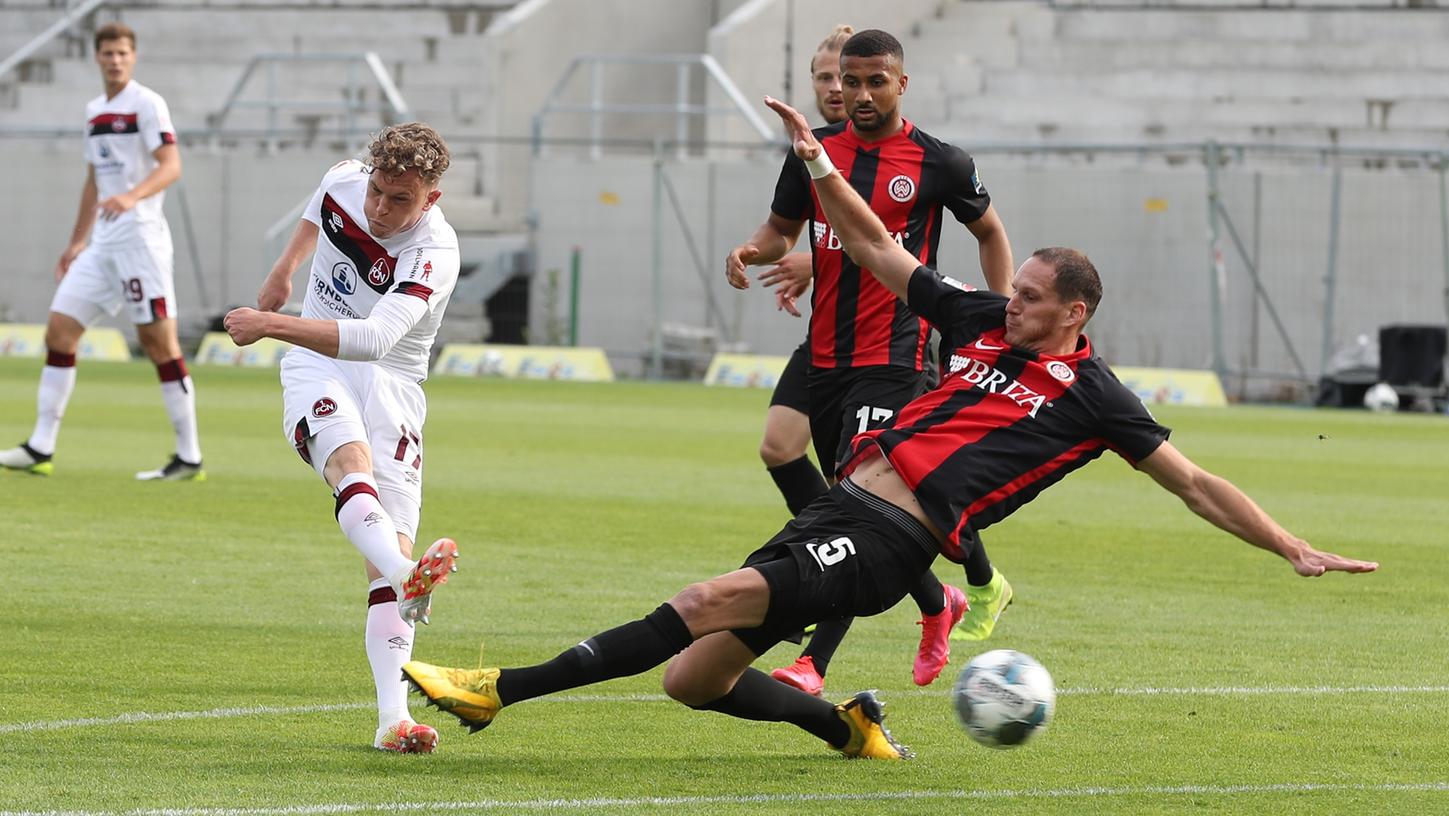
[877, 476]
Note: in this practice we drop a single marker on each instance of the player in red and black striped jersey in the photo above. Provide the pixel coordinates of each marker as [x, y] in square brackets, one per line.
[1026, 401]
[866, 349]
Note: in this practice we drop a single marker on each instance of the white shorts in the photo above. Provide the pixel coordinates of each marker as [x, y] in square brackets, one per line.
[102, 279]
[329, 403]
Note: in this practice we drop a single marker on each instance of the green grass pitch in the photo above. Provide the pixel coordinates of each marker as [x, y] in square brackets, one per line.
[197, 648]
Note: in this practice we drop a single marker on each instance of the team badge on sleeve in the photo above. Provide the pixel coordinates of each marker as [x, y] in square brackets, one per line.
[324, 407]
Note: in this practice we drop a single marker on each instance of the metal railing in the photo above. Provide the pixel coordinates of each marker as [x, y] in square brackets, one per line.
[40, 40]
[682, 108]
[358, 64]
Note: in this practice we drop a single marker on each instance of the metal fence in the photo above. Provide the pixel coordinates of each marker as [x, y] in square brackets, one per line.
[1256, 262]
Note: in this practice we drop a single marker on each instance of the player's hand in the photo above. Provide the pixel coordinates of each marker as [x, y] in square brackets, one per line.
[735, 263]
[790, 279]
[1312, 563]
[67, 258]
[113, 207]
[246, 326]
[796, 128]
[276, 291]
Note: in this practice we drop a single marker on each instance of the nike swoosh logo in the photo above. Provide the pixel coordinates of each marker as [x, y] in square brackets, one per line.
[985, 347]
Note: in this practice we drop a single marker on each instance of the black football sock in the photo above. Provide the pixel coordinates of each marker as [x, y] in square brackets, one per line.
[978, 566]
[622, 651]
[825, 641]
[757, 696]
[928, 594]
[799, 482]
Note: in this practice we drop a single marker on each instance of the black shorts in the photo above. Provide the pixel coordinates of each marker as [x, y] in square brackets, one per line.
[849, 554]
[791, 389]
[848, 401]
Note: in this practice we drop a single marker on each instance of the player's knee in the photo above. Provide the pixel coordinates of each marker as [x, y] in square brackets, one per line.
[62, 335]
[350, 458]
[693, 688]
[775, 450]
[694, 601]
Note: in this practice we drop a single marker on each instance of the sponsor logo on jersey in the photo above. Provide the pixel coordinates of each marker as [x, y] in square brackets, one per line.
[988, 379]
[344, 277]
[427, 269]
[825, 237]
[976, 183]
[380, 273]
[334, 222]
[1061, 371]
[950, 281]
[902, 188]
[333, 299]
[104, 151]
[324, 407]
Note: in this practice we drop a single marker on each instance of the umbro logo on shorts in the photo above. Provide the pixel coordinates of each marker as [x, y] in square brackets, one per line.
[324, 407]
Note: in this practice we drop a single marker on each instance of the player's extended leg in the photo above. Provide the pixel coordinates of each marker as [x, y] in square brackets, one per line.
[389, 643]
[57, 381]
[371, 530]
[787, 434]
[474, 696]
[158, 338]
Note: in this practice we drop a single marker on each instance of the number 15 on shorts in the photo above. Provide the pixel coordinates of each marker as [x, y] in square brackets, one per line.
[829, 553]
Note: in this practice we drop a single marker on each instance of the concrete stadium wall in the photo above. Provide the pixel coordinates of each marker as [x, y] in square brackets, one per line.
[1145, 228]
[233, 198]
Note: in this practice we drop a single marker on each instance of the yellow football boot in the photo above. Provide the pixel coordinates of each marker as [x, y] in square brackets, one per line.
[468, 694]
[869, 739]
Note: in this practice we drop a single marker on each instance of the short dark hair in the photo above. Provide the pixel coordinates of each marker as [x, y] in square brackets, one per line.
[115, 31]
[873, 42]
[1077, 278]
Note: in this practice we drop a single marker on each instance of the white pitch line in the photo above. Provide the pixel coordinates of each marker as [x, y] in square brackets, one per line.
[758, 798]
[164, 716]
[252, 711]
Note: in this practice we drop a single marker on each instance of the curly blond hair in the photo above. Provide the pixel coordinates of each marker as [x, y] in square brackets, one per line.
[410, 146]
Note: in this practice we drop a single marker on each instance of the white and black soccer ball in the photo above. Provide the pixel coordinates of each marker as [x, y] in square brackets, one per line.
[1003, 697]
[1381, 397]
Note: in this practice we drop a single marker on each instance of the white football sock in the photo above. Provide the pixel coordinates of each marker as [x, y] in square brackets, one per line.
[369, 527]
[180, 398]
[389, 641]
[56, 385]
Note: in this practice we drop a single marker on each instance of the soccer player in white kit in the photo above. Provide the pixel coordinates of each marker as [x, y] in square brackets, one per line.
[119, 255]
[352, 394]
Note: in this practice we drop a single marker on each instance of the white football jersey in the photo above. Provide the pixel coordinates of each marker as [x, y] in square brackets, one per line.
[352, 270]
[122, 134]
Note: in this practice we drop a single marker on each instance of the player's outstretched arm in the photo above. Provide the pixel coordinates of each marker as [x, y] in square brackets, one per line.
[277, 288]
[861, 233]
[1222, 503]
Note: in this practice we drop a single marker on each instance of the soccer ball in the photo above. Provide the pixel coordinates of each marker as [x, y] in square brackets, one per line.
[1003, 697]
[1381, 397]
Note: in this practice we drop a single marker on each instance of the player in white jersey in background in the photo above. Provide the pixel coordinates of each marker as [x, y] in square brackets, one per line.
[119, 254]
[352, 394]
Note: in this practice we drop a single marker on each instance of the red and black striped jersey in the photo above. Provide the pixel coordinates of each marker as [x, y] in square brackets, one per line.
[1005, 423]
[907, 179]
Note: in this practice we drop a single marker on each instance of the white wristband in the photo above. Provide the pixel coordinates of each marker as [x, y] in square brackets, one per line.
[820, 166]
